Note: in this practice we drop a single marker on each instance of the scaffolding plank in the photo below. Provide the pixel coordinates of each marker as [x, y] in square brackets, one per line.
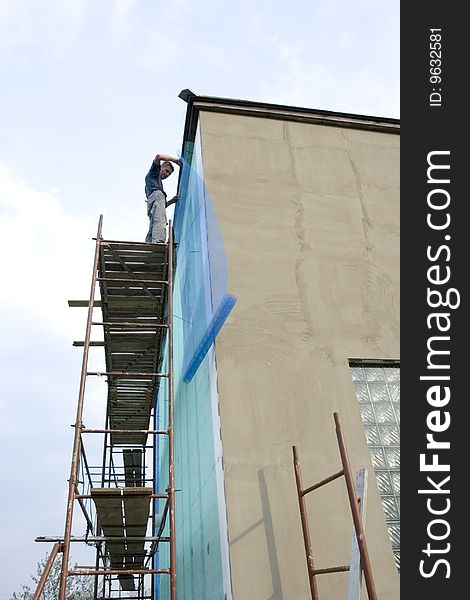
[133, 467]
[130, 349]
[133, 349]
[127, 583]
[109, 509]
[123, 512]
[136, 510]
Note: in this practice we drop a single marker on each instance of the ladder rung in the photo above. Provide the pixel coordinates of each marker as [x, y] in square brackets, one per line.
[340, 569]
[315, 486]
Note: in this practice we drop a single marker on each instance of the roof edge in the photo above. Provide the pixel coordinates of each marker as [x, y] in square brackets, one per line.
[278, 111]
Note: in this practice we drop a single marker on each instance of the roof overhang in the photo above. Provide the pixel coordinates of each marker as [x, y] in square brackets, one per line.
[277, 111]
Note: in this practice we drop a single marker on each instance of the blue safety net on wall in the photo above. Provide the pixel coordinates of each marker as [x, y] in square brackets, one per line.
[201, 304]
[201, 263]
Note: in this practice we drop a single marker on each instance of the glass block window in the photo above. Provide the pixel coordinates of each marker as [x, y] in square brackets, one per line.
[378, 393]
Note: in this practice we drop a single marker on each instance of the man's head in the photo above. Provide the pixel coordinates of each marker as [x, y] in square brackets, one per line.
[166, 169]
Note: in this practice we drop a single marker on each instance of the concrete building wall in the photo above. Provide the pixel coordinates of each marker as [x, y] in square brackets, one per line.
[309, 216]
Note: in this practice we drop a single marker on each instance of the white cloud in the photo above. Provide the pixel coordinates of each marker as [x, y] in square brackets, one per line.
[47, 257]
[49, 252]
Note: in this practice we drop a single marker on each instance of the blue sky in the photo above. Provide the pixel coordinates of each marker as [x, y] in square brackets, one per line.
[89, 96]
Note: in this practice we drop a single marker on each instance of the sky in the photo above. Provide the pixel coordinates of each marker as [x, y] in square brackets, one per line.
[89, 95]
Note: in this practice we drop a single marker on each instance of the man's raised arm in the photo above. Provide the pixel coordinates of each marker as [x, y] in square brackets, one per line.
[163, 157]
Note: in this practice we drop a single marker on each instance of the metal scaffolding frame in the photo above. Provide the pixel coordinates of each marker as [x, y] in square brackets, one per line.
[118, 496]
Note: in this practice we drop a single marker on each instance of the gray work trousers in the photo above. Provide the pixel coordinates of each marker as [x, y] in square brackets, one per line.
[157, 215]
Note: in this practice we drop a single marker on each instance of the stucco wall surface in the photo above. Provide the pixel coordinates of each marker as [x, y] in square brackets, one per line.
[309, 217]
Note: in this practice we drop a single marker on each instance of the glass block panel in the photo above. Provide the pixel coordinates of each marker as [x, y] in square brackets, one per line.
[392, 374]
[390, 435]
[362, 391]
[394, 391]
[378, 457]
[384, 413]
[372, 435]
[391, 509]
[357, 374]
[392, 454]
[384, 482]
[379, 392]
[396, 408]
[394, 532]
[367, 413]
[396, 481]
[379, 405]
[374, 373]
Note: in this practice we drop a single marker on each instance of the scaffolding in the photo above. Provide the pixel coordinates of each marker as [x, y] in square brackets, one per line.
[117, 495]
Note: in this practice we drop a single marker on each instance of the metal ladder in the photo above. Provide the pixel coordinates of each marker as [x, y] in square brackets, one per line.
[365, 565]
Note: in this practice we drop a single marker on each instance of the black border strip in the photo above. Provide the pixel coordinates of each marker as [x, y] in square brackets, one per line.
[433, 132]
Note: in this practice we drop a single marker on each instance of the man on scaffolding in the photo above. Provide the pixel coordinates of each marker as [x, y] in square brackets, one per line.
[156, 197]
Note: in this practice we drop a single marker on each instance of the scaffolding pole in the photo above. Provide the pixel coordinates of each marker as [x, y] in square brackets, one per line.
[57, 547]
[171, 408]
[78, 424]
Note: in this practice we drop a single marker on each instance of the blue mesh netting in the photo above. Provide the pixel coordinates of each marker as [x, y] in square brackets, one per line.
[201, 264]
[201, 305]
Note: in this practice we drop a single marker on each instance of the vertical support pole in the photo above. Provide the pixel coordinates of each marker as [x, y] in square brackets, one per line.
[98, 527]
[360, 534]
[154, 500]
[305, 527]
[47, 569]
[78, 424]
[171, 449]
